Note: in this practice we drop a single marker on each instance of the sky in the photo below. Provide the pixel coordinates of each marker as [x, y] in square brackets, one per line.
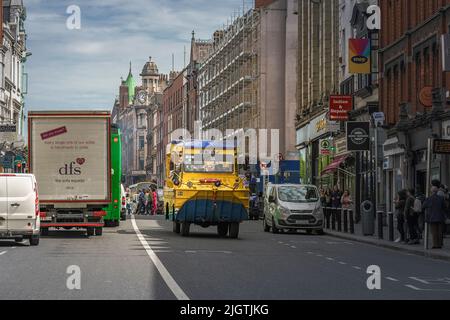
[81, 69]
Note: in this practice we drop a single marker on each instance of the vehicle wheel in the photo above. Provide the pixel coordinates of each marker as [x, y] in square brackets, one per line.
[117, 223]
[266, 227]
[176, 227]
[274, 228]
[90, 232]
[234, 230]
[185, 226]
[44, 232]
[320, 232]
[34, 241]
[98, 231]
[222, 229]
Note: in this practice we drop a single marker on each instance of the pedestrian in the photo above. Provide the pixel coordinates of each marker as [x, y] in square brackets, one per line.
[411, 216]
[400, 209]
[435, 216]
[328, 197]
[323, 198]
[141, 203]
[346, 200]
[148, 202]
[154, 201]
[336, 198]
[418, 209]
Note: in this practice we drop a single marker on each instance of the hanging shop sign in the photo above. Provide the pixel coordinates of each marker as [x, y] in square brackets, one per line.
[358, 136]
[359, 56]
[426, 96]
[325, 147]
[340, 106]
[441, 146]
[319, 126]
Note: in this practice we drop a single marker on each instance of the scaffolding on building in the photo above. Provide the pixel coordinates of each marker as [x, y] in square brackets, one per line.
[228, 78]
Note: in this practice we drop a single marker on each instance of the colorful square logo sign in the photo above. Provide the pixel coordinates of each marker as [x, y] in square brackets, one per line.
[359, 56]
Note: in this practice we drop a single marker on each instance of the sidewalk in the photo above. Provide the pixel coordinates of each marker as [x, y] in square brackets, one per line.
[443, 254]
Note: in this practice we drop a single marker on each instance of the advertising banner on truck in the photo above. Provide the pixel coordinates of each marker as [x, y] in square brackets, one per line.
[70, 158]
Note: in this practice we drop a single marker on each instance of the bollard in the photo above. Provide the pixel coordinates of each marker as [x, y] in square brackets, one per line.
[345, 211]
[333, 219]
[391, 226]
[380, 224]
[339, 219]
[352, 222]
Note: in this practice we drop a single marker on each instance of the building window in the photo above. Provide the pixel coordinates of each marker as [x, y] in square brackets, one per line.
[141, 143]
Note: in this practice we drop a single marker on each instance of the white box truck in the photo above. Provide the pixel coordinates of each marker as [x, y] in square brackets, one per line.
[69, 153]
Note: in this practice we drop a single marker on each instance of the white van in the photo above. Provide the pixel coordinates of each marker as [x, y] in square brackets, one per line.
[19, 208]
[293, 207]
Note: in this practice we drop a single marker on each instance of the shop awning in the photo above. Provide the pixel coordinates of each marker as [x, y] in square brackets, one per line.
[334, 166]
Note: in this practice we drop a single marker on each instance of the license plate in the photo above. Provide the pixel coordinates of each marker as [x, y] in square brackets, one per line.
[302, 222]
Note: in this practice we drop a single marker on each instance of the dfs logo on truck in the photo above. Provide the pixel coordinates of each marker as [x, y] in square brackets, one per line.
[73, 168]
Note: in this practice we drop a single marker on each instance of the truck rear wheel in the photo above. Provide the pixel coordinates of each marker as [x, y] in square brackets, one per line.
[234, 230]
[90, 231]
[185, 226]
[34, 241]
[176, 227]
[222, 229]
[98, 231]
[44, 232]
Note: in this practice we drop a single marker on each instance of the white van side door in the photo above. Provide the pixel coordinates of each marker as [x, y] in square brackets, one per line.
[3, 205]
[21, 202]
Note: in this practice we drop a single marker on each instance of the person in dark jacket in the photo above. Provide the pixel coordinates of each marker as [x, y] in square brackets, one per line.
[336, 196]
[400, 204]
[435, 216]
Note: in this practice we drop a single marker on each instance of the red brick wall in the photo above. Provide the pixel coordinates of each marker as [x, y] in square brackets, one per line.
[403, 84]
[263, 3]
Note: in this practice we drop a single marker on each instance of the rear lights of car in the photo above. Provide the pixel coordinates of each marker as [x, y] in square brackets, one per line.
[123, 201]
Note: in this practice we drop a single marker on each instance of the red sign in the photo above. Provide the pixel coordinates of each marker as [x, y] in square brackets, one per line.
[53, 133]
[339, 107]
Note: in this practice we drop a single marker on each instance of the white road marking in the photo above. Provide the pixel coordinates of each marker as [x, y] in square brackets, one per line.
[3, 252]
[190, 251]
[13, 247]
[357, 268]
[168, 279]
[293, 247]
[310, 252]
[392, 279]
[342, 262]
[419, 280]
[412, 287]
[330, 259]
[319, 255]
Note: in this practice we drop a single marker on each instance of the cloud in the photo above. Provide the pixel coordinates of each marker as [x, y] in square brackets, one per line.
[82, 68]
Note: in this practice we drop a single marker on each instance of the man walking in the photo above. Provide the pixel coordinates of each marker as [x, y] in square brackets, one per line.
[435, 216]
[411, 217]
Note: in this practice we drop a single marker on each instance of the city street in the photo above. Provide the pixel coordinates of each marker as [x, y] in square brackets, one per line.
[159, 264]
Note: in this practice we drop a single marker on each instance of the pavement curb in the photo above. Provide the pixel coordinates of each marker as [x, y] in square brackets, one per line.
[428, 254]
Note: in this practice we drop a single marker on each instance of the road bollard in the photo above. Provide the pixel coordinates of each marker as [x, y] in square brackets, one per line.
[352, 222]
[391, 226]
[380, 224]
[345, 211]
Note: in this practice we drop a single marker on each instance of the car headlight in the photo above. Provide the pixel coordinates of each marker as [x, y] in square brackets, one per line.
[285, 212]
[318, 212]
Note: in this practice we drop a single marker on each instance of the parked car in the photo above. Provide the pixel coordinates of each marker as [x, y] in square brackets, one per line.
[293, 207]
[19, 208]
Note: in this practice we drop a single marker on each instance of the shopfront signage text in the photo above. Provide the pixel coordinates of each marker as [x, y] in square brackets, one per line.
[358, 136]
[441, 146]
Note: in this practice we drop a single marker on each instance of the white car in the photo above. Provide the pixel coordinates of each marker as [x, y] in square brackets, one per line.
[293, 207]
[19, 208]
[123, 203]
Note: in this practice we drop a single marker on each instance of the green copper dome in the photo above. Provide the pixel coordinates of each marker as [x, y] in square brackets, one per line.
[131, 84]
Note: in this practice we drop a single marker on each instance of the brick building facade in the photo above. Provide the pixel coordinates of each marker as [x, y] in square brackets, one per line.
[411, 70]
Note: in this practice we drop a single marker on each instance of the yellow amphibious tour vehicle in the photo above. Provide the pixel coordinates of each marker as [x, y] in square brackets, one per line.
[203, 187]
